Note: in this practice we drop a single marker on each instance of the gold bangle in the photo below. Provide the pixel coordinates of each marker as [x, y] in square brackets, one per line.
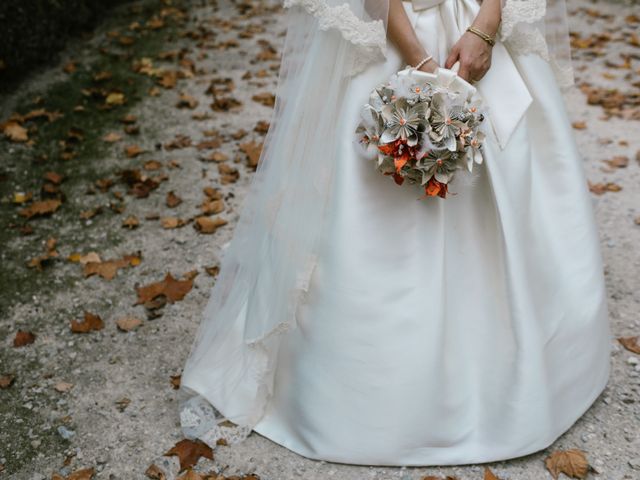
[487, 38]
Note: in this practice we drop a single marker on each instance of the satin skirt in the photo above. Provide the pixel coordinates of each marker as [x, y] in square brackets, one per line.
[449, 331]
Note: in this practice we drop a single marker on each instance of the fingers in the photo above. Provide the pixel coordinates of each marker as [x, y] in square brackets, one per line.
[452, 58]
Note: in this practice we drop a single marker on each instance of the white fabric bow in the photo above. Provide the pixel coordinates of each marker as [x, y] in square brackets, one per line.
[503, 90]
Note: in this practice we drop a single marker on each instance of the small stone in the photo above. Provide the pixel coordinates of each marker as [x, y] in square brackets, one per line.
[65, 432]
[635, 463]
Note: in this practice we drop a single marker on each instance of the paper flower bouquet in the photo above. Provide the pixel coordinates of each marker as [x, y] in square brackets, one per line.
[423, 128]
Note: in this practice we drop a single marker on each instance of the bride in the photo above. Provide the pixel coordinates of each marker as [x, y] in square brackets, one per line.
[355, 323]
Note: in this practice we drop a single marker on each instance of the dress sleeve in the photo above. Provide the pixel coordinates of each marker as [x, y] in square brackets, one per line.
[539, 27]
[362, 23]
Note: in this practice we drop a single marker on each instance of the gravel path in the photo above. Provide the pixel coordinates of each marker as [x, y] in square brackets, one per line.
[151, 146]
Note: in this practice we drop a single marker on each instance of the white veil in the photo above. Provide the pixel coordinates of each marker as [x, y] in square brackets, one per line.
[265, 270]
[268, 263]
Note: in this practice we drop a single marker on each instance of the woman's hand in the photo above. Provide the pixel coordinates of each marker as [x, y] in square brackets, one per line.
[474, 55]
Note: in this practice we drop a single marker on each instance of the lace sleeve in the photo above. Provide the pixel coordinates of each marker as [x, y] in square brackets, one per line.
[539, 27]
[368, 37]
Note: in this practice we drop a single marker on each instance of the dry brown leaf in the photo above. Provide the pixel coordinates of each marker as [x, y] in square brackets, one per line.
[127, 324]
[189, 452]
[131, 222]
[600, 188]
[63, 387]
[228, 174]
[112, 137]
[265, 98]
[216, 157]
[187, 101]
[155, 473]
[211, 207]
[54, 177]
[123, 403]
[631, 343]
[40, 208]
[208, 225]
[175, 381]
[133, 151]
[172, 222]
[174, 290]
[619, 161]
[23, 338]
[7, 380]
[109, 268]
[89, 323]
[15, 132]
[579, 125]
[252, 150]
[82, 474]
[115, 98]
[572, 463]
[173, 200]
[489, 475]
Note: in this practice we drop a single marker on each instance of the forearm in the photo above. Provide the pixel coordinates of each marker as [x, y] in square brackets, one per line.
[402, 34]
[489, 16]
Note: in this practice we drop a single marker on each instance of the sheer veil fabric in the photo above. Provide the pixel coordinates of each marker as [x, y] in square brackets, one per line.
[265, 269]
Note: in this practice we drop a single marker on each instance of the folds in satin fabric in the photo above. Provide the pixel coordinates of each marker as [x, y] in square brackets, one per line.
[457, 331]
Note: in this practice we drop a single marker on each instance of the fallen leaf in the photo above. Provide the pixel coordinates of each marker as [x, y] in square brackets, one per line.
[579, 125]
[189, 452]
[7, 380]
[123, 403]
[91, 322]
[127, 324]
[572, 463]
[130, 222]
[15, 132]
[155, 473]
[173, 200]
[115, 98]
[40, 208]
[619, 161]
[187, 101]
[133, 151]
[265, 98]
[112, 137]
[489, 475]
[82, 474]
[175, 381]
[23, 338]
[631, 343]
[171, 288]
[63, 387]
[252, 150]
[109, 268]
[208, 225]
[172, 222]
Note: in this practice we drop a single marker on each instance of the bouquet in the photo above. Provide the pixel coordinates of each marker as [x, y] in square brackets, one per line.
[423, 128]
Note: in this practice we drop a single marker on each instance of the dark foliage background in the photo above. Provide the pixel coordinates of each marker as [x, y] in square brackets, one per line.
[33, 31]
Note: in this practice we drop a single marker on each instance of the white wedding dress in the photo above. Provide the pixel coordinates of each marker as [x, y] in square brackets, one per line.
[448, 331]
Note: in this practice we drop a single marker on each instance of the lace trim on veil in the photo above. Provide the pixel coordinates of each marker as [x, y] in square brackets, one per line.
[369, 37]
[200, 419]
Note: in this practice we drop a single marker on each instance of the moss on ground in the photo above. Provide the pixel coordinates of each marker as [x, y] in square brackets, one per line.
[22, 169]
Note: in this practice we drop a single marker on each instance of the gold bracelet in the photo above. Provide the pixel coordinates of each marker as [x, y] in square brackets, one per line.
[487, 38]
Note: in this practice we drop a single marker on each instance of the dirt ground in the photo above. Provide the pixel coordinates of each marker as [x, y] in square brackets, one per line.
[163, 111]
